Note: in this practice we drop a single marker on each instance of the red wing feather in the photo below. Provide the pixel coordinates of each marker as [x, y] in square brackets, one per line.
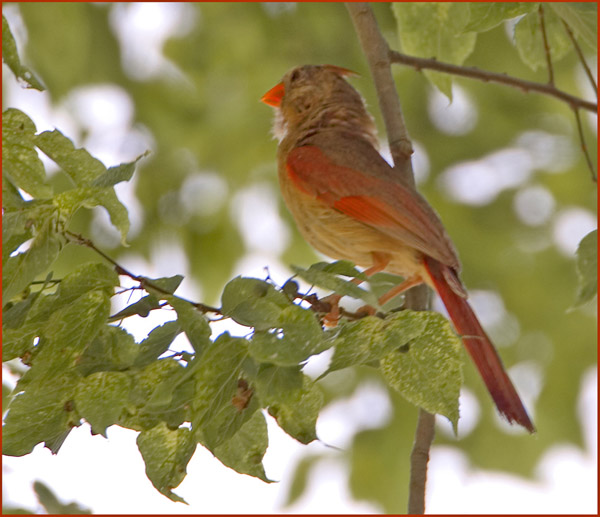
[386, 205]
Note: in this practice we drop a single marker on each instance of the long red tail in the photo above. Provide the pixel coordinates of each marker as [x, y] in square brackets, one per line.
[479, 346]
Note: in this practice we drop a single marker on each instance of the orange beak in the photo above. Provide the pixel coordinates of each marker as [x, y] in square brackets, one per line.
[274, 95]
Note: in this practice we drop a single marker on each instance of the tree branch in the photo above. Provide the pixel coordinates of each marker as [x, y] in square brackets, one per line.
[584, 146]
[418, 462]
[377, 52]
[546, 46]
[144, 282]
[588, 72]
[471, 72]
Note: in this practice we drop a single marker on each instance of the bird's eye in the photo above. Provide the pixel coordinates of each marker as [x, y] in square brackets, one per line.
[295, 75]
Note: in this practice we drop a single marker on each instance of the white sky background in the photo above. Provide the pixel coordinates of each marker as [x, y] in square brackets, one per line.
[108, 475]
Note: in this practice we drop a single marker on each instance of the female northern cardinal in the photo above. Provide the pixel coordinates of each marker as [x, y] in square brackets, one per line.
[350, 204]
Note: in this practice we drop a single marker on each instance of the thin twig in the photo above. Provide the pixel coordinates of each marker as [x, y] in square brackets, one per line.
[145, 283]
[588, 72]
[418, 462]
[378, 55]
[546, 46]
[471, 72]
[584, 146]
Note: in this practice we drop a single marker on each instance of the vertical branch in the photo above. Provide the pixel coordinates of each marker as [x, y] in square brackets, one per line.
[377, 53]
[419, 458]
[581, 57]
[546, 46]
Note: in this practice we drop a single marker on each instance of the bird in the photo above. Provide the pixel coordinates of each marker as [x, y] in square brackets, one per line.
[349, 203]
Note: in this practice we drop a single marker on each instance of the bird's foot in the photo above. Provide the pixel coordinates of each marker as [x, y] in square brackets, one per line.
[333, 316]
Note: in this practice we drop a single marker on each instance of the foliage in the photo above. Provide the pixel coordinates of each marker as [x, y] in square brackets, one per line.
[587, 267]
[84, 366]
[49, 502]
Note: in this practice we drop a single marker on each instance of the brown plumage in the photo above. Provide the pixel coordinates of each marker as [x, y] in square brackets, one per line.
[349, 204]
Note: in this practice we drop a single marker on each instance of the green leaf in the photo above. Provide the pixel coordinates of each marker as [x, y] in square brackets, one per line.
[44, 411]
[51, 503]
[167, 283]
[11, 57]
[118, 173]
[83, 279]
[71, 45]
[140, 308]
[68, 332]
[435, 30]
[339, 267]
[253, 302]
[216, 375]
[89, 197]
[21, 269]
[150, 379]
[16, 342]
[166, 454]
[244, 451]
[227, 422]
[113, 349]
[300, 337]
[155, 395]
[322, 276]
[11, 197]
[20, 161]
[428, 370]
[101, 397]
[11, 244]
[587, 268]
[529, 41]
[116, 211]
[300, 478]
[79, 164]
[582, 18]
[193, 322]
[24, 220]
[14, 315]
[297, 411]
[157, 342]
[369, 339]
[272, 383]
[487, 15]
[41, 414]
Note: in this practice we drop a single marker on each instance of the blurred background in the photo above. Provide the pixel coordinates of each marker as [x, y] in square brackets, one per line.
[504, 169]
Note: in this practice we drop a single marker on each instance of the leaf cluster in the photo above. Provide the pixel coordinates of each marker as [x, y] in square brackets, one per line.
[449, 31]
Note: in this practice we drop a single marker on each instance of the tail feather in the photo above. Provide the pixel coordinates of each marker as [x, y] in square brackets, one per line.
[479, 346]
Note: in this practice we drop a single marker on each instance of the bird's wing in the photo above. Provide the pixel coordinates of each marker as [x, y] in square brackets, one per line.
[373, 198]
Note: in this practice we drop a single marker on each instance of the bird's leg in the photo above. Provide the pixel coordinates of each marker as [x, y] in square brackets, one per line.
[380, 262]
[400, 288]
